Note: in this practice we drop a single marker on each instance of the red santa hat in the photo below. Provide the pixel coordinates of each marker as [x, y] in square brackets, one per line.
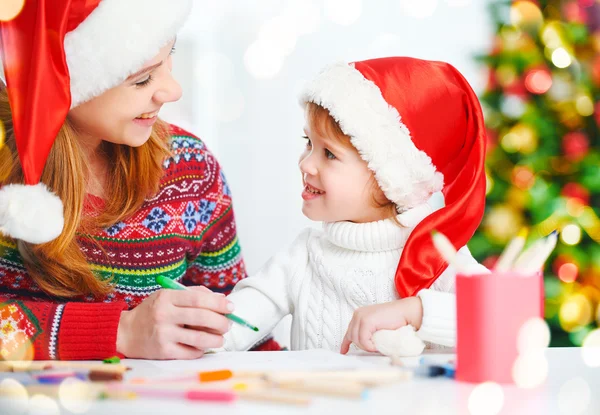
[419, 126]
[58, 54]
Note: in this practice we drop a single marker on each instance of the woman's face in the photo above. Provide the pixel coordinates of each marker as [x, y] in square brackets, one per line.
[125, 114]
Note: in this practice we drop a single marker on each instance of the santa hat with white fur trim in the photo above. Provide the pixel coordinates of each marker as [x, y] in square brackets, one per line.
[419, 126]
[58, 54]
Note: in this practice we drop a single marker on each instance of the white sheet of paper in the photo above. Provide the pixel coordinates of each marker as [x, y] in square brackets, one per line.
[272, 361]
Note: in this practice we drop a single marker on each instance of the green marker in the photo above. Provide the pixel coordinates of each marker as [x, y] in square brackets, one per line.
[174, 285]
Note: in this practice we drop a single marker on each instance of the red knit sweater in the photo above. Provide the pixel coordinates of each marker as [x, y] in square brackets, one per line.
[186, 231]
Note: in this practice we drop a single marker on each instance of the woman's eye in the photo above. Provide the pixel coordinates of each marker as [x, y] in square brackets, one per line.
[144, 82]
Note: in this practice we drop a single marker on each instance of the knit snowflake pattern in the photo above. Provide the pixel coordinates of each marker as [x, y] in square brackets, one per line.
[156, 220]
[115, 229]
[206, 210]
[191, 218]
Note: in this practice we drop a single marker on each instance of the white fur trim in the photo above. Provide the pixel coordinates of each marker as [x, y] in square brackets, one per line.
[30, 213]
[115, 41]
[405, 174]
[402, 342]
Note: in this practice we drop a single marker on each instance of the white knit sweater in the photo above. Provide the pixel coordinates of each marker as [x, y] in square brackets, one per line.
[325, 275]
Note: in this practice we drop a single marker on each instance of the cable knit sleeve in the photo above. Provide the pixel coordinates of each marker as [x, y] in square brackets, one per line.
[439, 302]
[263, 299]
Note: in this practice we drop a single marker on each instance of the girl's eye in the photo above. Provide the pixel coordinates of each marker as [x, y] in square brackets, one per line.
[308, 142]
[144, 82]
[330, 155]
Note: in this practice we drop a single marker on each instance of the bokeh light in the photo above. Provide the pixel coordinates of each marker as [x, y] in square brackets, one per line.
[534, 336]
[14, 397]
[590, 349]
[262, 61]
[574, 397]
[512, 106]
[568, 272]
[538, 81]
[75, 395]
[517, 197]
[562, 88]
[510, 142]
[486, 399]
[561, 58]
[574, 207]
[43, 405]
[571, 234]
[523, 177]
[551, 35]
[512, 38]
[584, 105]
[526, 138]
[575, 312]
[16, 344]
[530, 370]
[525, 14]
[502, 222]
[9, 9]
[506, 74]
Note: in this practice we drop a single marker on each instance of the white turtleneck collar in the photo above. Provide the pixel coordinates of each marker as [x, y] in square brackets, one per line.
[383, 235]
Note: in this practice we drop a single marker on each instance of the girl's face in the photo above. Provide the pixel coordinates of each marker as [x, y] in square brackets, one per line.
[125, 114]
[338, 186]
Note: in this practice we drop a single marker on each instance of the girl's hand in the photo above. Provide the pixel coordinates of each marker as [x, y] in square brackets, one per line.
[391, 316]
[173, 324]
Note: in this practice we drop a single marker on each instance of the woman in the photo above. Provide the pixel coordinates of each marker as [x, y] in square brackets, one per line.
[98, 196]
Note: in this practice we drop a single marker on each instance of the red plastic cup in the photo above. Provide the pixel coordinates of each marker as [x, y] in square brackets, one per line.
[490, 311]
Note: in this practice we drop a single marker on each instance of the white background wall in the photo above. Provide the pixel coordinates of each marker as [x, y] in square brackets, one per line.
[240, 93]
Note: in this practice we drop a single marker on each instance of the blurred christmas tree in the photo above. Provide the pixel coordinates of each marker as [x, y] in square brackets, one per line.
[542, 108]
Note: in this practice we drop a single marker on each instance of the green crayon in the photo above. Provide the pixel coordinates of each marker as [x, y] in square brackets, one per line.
[174, 285]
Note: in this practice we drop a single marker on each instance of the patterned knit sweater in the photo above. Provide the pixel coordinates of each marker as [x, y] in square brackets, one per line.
[186, 232]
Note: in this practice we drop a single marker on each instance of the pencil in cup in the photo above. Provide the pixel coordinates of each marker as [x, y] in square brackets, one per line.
[174, 285]
[447, 250]
[511, 252]
[534, 258]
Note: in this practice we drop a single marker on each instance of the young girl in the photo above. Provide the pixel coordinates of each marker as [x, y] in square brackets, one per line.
[98, 196]
[383, 138]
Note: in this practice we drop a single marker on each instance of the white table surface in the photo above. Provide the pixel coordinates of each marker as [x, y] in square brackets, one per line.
[418, 396]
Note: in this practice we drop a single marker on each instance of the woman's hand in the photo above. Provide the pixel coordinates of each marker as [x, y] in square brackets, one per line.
[390, 316]
[173, 324]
